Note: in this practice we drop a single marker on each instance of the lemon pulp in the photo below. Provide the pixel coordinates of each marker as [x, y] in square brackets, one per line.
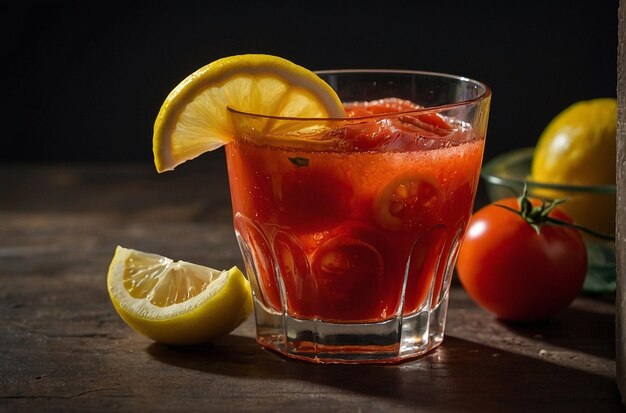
[194, 117]
[176, 302]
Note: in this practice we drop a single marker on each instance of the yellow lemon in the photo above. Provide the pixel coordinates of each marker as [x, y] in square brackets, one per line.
[194, 118]
[176, 302]
[578, 147]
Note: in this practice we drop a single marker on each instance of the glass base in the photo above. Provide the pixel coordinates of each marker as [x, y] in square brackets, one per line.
[317, 341]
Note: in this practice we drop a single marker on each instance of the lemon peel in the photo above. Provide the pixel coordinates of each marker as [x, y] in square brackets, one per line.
[578, 145]
[194, 117]
[176, 302]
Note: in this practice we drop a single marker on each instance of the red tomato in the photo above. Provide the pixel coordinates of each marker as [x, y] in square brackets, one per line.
[516, 273]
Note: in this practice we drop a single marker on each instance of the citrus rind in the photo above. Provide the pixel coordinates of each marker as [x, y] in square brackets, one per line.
[194, 117]
[214, 312]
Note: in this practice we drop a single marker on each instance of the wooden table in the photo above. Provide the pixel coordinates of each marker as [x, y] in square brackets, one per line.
[65, 349]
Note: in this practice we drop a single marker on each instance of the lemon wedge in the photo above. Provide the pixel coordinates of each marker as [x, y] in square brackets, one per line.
[176, 302]
[194, 118]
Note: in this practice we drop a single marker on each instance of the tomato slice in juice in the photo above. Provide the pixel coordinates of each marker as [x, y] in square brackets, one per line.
[407, 202]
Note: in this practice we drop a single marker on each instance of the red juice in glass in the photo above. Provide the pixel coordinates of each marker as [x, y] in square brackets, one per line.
[350, 230]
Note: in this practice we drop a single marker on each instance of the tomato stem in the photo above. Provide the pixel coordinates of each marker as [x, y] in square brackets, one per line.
[536, 216]
[555, 221]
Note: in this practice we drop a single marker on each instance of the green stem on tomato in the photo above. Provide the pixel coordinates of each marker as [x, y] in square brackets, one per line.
[536, 216]
[555, 221]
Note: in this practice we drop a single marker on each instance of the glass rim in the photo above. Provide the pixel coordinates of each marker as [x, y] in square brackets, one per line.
[486, 94]
[490, 175]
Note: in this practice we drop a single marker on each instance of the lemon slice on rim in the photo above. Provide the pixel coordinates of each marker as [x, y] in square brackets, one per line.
[194, 118]
[176, 302]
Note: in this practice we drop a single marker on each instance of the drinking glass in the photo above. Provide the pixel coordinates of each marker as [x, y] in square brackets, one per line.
[350, 227]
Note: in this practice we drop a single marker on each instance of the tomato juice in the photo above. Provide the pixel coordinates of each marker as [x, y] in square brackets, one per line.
[366, 228]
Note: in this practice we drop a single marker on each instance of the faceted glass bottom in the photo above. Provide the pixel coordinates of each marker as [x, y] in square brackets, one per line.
[388, 341]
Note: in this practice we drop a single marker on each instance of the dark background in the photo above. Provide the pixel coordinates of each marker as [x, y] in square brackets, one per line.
[85, 81]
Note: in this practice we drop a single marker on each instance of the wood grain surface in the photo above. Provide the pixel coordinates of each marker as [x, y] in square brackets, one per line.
[65, 349]
[620, 219]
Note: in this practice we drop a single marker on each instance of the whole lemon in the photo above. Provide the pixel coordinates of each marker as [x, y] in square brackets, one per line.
[578, 147]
